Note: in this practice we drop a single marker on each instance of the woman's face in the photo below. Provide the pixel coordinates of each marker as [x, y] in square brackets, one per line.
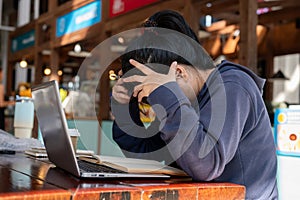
[190, 83]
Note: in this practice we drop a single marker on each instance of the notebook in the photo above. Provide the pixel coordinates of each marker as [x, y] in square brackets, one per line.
[53, 126]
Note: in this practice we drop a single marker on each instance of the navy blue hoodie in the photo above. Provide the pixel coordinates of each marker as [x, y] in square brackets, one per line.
[225, 136]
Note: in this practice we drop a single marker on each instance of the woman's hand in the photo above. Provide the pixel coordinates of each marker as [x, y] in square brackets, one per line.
[151, 80]
[119, 92]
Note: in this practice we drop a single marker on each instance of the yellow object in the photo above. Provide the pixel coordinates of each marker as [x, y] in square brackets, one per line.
[63, 94]
[25, 93]
[147, 115]
[24, 89]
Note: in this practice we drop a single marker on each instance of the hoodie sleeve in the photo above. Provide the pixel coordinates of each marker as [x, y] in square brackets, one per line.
[203, 141]
[131, 135]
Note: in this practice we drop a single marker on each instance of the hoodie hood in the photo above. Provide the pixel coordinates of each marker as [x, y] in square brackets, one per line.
[226, 65]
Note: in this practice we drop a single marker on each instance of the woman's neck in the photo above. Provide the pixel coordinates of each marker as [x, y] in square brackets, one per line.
[202, 76]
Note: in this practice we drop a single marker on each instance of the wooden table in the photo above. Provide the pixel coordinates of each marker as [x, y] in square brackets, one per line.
[23, 177]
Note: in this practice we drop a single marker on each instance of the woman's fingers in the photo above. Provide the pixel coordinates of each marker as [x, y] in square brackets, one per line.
[151, 80]
[146, 70]
[119, 92]
[141, 95]
[123, 98]
[140, 92]
[120, 73]
[137, 89]
[134, 78]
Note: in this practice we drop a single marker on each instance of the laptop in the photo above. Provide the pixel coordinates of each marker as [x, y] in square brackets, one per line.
[54, 130]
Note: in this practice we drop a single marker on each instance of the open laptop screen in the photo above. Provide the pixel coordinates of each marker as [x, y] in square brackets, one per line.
[53, 125]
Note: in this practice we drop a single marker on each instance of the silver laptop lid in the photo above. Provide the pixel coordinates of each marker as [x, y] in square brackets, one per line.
[53, 126]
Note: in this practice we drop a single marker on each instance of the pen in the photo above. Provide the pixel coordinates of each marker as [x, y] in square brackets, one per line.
[7, 152]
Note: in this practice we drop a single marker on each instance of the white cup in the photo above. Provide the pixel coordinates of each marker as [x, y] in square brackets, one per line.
[23, 117]
[23, 132]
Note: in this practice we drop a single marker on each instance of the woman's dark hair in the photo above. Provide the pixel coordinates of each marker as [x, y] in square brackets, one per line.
[158, 46]
[167, 38]
[171, 20]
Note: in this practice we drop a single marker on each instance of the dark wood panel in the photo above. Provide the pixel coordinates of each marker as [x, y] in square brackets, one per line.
[16, 185]
[248, 56]
[280, 16]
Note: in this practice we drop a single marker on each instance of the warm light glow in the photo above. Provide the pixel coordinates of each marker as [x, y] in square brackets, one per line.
[47, 71]
[77, 48]
[59, 72]
[121, 40]
[112, 75]
[23, 63]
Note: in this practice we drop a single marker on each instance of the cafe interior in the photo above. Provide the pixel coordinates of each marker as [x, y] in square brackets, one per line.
[77, 43]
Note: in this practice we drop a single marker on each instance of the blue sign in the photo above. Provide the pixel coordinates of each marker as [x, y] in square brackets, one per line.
[83, 17]
[23, 41]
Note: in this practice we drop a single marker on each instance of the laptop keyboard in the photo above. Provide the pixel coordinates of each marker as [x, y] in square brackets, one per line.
[90, 167]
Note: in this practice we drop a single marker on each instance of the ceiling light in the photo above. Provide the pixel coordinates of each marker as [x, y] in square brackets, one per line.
[112, 75]
[208, 5]
[23, 63]
[45, 27]
[77, 48]
[47, 71]
[121, 40]
[60, 72]
[208, 20]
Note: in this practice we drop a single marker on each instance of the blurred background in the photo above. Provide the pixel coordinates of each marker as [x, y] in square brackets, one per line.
[45, 40]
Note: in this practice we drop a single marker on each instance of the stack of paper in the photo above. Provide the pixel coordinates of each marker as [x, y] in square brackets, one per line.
[132, 165]
[42, 153]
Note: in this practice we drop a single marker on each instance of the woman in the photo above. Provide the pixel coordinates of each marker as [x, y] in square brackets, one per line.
[210, 119]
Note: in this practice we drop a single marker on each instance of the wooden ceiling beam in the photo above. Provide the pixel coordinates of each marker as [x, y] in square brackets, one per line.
[269, 4]
[279, 16]
[289, 3]
[231, 18]
[233, 5]
[273, 17]
[282, 39]
[229, 9]
[217, 6]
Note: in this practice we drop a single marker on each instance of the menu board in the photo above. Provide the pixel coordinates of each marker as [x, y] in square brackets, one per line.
[287, 131]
